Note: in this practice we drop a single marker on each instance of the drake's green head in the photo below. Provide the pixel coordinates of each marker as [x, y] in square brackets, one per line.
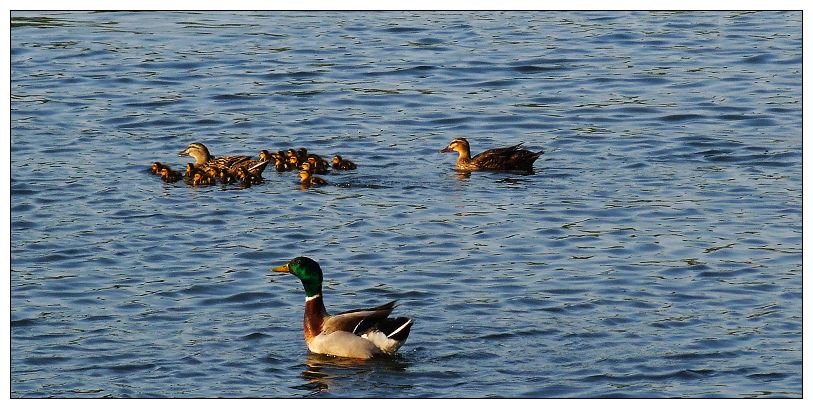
[307, 270]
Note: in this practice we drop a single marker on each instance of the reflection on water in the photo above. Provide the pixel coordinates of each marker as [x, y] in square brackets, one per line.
[325, 374]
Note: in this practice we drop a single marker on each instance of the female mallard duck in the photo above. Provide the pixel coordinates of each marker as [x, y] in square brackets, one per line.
[360, 333]
[168, 175]
[342, 164]
[205, 160]
[308, 180]
[200, 153]
[504, 159]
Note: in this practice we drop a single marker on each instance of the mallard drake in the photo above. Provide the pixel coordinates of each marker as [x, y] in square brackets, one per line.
[342, 164]
[501, 159]
[168, 175]
[308, 180]
[361, 333]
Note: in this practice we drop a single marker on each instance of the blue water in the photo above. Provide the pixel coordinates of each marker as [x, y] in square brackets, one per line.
[655, 252]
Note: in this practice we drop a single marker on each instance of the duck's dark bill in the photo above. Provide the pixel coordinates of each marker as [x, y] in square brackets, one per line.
[282, 269]
[446, 149]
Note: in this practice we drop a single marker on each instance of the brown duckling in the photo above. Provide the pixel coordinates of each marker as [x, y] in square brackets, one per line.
[190, 172]
[212, 173]
[318, 165]
[302, 153]
[499, 159]
[308, 180]
[203, 179]
[264, 155]
[190, 168]
[156, 168]
[293, 161]
[278, 158]
[170, 176]
[225, 177]
[342, 164]
[246, 177]
[280, 165]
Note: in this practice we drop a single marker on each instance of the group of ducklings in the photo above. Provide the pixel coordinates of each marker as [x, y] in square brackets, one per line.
[246, 170]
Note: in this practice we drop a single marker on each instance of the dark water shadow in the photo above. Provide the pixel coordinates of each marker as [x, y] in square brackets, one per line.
[325, 373]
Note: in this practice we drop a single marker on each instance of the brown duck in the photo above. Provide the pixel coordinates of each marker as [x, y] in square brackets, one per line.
[511, 158]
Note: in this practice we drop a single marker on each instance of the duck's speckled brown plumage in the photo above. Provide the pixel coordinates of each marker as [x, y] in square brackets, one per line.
[203, 159]
[511, 158]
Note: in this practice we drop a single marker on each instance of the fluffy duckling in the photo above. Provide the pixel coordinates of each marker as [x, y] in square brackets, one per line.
[342, 164]
[279, 159]
[499, 159]
[213, 173]
[318, 165]
[308, 180]
[156, 168]
[190, 168]
[280, 165]
[302, 153]
[245, 177]
[170, 176]
[264, 155]
[203, 179]
[293, 161]
[225, 177]
[189, 173]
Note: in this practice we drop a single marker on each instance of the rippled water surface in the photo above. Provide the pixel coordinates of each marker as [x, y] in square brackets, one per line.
[655, 252]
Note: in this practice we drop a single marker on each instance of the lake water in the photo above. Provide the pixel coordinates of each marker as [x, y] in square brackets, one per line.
[655, 252]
